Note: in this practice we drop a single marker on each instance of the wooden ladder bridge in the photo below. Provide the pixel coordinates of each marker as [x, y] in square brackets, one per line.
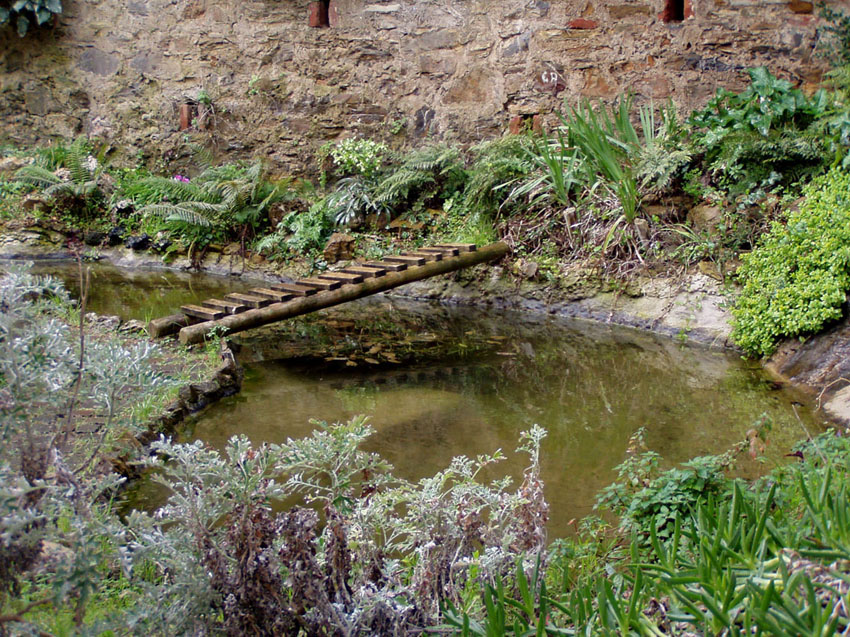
[278, 301]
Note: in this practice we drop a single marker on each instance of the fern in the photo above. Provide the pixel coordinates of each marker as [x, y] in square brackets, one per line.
[420, 176]
[194, 213]
[746, 159]
[156, 189]
[498, 165]
[37, 176]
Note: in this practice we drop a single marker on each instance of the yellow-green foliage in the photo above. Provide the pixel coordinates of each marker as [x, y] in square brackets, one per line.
[797, 278]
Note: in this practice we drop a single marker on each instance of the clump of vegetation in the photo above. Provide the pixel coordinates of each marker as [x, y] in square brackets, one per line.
[223, 202]
[763, 137]
[797, 278]
[69, 177]
[726, 558]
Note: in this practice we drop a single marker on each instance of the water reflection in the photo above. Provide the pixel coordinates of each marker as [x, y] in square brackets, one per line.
[589, 386]
[439, 381]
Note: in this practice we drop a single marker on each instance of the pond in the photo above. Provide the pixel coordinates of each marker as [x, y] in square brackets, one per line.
[439, 381]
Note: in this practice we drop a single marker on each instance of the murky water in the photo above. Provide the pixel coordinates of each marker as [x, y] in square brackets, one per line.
[438, 381]
[495, 375]
[140, 293]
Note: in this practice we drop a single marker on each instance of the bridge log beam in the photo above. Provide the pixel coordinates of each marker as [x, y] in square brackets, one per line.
[304, 305]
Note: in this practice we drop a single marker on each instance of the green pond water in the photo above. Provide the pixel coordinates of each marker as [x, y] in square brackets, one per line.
[439, 381]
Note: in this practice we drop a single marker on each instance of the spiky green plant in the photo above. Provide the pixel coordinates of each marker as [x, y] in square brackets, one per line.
[557, 175]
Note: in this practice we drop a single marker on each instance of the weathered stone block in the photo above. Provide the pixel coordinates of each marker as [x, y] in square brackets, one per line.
[93, 60]
[583, 23]
[621, 11]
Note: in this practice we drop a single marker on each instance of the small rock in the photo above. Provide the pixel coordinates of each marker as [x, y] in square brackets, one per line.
[133, 325]
[138, 242]
[340, 247]
[642, 229]
[109, 321]
[115, 236]
[34, 202]
[703, 217]
[583, 23]
[94, 238]
[123, 208]
[9, 165]
[528, 269]
[161, 244]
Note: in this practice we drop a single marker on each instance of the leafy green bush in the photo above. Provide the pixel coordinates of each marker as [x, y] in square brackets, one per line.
[797, 278]
[760, 137]
[355, 156]
[645, 498]
[300, 232]
[23, 13]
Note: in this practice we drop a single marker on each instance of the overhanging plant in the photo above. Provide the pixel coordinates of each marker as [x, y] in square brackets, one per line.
[24, 13]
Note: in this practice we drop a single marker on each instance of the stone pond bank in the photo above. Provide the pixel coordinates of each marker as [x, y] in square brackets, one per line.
[688, 306]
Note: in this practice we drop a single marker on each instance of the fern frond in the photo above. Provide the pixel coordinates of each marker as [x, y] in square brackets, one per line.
[37, 176]
[75, 162]
[152, 190]
[177, 212]
[398, 185]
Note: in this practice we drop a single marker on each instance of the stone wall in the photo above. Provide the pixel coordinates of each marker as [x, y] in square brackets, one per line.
[132, 72]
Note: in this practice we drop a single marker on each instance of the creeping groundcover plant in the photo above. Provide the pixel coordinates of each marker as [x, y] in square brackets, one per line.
[796, 280]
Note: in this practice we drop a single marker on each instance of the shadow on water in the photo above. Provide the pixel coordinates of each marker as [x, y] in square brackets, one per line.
[440, 381]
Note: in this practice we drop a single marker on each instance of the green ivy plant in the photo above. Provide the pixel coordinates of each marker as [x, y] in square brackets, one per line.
[24, 13]
[797, 278]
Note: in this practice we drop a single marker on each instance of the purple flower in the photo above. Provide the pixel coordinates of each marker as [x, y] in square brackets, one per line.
[185, 180]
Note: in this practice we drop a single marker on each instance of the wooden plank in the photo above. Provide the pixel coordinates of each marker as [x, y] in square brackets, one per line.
[406, 259]
[171, 324]
[365, 271]
[228, 307]
[251, 300]
[428, 256]
[297, 307]
[205, 313]
[275, 295]
[384, 265]
[293, 288]
[342, 277]
[321, 284]
[463, 247]
[445, 250]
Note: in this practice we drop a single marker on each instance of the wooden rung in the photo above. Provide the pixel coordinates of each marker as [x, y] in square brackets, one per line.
[406, 259]
[342, 277]
[463, 247]
[445, 250]
[205, 313]
[251, 300]
[365, 271]
[228, 307]
[321, 284]
[428, 256]
[385, 265]
[293, 288]
[275, 295]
